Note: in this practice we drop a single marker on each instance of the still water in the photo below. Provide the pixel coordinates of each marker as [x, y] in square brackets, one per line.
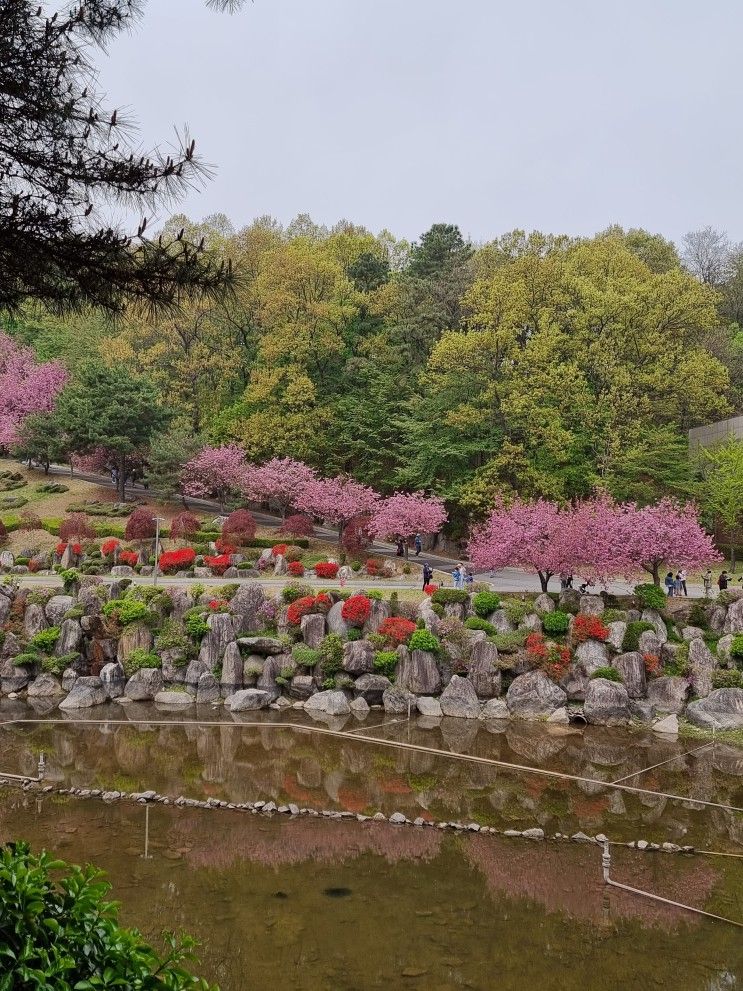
[347, 905]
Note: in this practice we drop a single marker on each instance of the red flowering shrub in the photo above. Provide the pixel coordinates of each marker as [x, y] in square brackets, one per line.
[223, 547]
[77, 548]
[295, 569]
[278, 549]
[552, 658]
[323, 602]
[179, 560]
[218, 564]
[373, 566]
[297, 526]
[128, 557]
[430, 589]
[76, 525]
[397, 630]
[217, 605]
[299, 608]
[293, 553]
[140, 525]
[110, 546]
[653, 666]
[588, 628]
[239, 527]
[184, 526]
[60, 548]
[356, 610]
[326, 569]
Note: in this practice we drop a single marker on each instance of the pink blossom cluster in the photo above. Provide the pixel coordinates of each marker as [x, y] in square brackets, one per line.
[26, 387]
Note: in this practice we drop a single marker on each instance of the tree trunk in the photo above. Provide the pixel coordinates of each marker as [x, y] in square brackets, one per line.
[121, 480]
[544, 578]
[732, 559]
[407, 551]
[656, 573]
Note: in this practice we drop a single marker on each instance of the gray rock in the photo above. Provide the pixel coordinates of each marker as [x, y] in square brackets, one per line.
[359, 706]
[669, 693]
[207, 689]
[428, 706]
[592, 655]
[245, 605]
[650, 643]
[213, 645]
[499, 619]
[495, 709]
[56, 607]
[248, 699]
[371, 687]
[336, 622]
[724, 645]
[69, 677]
[531, 622]
[607, 703]
[641, 710]
[483, 670]
[280, 567]
[669, 725]
[301, 687]
[722, 709]
[717, 616]
[86, 692]
[332, 703]
[380, 611]
[534, 696]
[12, 678]
[173, 665]
[272, 669]
[45, 686]
[651, 616]
[692, 633]
[701, 664]
[544, 603]
[34, 620]
[617, 629]
[569, 600]
[135, 637]
[396, 700]
[734, 617]
[4, 607]
[173, 698]
[631, 666]
[262, 645]
[418, 672]
[6, 559]
[144, 685]
[113, 679]
[559, 716]
[313, 629]
[591, 605]
[231, 680]
[70, 638]
[122, 571]
[459, 699]
[358, 657]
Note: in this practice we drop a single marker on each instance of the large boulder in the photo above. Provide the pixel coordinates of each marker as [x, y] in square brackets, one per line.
[280, 567]
[371, 688]
[734, 617]
[313, 629]
[56, 608]
[650, 643]
[207, 689]
[174, 663]
[669, 693]
[397, 700]
[418, 672]
[702, 663]
[631, 666]
[483, 670]
[495, 709]
[302, 686]
[534, 696]
[113, 679]
[655, 618]
[246, 604]
[692, 633]
[144, 685]
[358, 657]
[592, 655]
[70, 639]
[569, 600]
[86, 692]
[272, 669]
[5, 604]
[336, 622]
[332, 703]
[214, 643]
[607, 703]
[135, 637]
[380, 611]
[724, 649]
[34, 620]
[45, 686]
[544, 603]
[231, 680]
[261, 645]
[12, 677]
[617, 629]
[722, 709]
[499, 619]
[428, 706]
[459, 699]
[716, 618]
[173, 698]
[248, 699]
[591, 605]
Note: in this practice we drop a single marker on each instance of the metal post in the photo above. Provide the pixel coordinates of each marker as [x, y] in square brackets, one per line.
[606, 861]
[41, 770]
[146, 854]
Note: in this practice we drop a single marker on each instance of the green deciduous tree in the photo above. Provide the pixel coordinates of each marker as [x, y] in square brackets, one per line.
[723, 487]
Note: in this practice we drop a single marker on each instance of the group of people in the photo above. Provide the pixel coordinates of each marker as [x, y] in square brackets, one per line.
[461, 575]
[676, 585]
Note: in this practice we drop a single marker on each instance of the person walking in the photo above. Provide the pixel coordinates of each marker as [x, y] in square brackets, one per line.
[400, 549]
[418, 544]
[677, 584]
[682, 576]
[708, 583]
[427, 574]
[670, 584]
[457, 576]
[722, 581]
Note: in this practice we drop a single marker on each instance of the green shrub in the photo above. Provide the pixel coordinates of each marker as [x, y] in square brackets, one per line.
[556, 622]
[727, 679]
[45, 640]
[331, 654]
[22, 560]
[446, 595]
[306, 657]
[127, 611]
[27, 659]
[510, 643]
[516, 610]
[55, 665]
[650, 596]
[632, 634]
[140, 658]
[485, 603]
[58, 931]
[70, 577]
[698, 616]
[295, 590]
[52, 488]
[385, 662]
[196, 626]
[375, 594]
[172, 637]
[354, 633]
[736, 647]
[476, 623]
[424, 640]
[679, 663]
[610, 674]
[613, 616]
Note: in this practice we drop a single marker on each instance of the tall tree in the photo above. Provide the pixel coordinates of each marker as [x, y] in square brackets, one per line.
[26, 387]
[723, 487]
[707, 255]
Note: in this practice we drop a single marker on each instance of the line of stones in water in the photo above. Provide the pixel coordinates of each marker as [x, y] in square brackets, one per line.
[293, 811]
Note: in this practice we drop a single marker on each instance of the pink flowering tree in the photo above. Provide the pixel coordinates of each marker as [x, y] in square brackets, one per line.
[279, 481]
[337, 501]
[215, 473]
[25, 387]
[552, 540]
[404, 514]
[667, 534]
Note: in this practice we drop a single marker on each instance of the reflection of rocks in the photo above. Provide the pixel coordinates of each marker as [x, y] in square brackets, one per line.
[459, 734]
[533, 742]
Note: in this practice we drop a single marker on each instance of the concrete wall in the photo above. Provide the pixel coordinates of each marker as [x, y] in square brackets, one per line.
[716, 433]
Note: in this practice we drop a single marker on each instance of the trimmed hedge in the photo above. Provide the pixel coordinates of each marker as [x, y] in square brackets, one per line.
[446, 595]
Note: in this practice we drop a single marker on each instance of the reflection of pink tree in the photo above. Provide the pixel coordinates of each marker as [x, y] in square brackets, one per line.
[25, 386]
[337, 501]
[404, 514]
[669, 534]
[280, 481]
[215, 473]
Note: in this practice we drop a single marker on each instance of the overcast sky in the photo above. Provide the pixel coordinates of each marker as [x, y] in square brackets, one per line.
[561, 115]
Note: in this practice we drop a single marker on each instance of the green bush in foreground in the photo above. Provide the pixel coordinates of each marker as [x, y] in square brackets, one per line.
[609, 674]
[485, 603]
[424, 640]
[727, 679]
[736, 647]
[58, 933]
[385, 662]
[650, 596]
[476, 623]
[556, 622]
[633, 633]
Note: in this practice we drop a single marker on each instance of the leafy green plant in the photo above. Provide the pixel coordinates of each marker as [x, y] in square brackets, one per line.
[27, 659]
[446, 595]
[632, 634]
[70, 577]
[331, 654]
[45, 640]
[556, 622]
[76, 612]
[736, 647]
[614, 616]
[140, 658]
[424, 640]
[172, 637]
[55, 665]
[698, 616]
[516, 610]
[253, 669]
[476, 623]
[306, 657]
[510, 643]
[485, 603]
[650, 596]
[58, 931]
[375, 594]
[195, 623]
[609, 674]
[385, 662]
[354, 633]
[127, 611]
[679, 663]
[296, 590]
[722, 678]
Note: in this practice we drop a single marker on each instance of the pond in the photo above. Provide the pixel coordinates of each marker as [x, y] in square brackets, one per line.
[349, 905]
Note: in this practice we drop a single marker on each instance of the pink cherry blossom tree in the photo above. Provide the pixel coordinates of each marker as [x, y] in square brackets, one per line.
[539, 535]
[215, 473]
[25, 386]
[404, 514]
[337, 501]
[666, 534]
[280, 481]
